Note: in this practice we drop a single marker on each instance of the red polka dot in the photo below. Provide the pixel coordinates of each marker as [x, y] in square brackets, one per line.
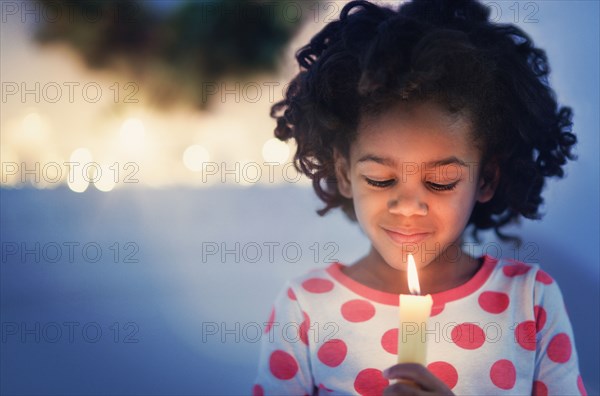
[559, 348]
[525, 334]
[291, 294]
[257, 390]
[389, 341]
[493, 302]
[321, 386]
[370, 382]
[270, 321]
[283, 365]
[317, 285]
[468, 336]
[580, 386]
[543, 277]
[503, 374]
[436, 309]
[540, 317]
[333, 352]
[515, 269]
[445, 372]
[304, 326]
[358, 310]
[539, 389]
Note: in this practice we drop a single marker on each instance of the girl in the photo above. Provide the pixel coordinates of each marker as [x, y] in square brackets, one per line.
[420, 123]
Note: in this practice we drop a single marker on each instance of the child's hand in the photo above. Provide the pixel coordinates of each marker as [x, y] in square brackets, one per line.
[414, 379]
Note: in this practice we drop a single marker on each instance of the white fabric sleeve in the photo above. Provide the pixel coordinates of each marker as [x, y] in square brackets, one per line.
[284, 366]
[557, 367]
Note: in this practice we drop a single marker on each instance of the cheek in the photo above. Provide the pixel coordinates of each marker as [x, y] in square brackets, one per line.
[368, 207]
[458, 211]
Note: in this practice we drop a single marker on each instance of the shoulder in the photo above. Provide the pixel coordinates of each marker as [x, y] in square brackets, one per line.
[511, 269]
[524, 278]
[325, 290]
[315, 281]
[315, 284]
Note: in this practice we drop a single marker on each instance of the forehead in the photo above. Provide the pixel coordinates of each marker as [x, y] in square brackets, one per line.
[417, 130]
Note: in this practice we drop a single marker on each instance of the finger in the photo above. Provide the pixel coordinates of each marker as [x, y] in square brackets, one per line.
[417, 374]
[403, 388]
[411, 371]
[406, 382]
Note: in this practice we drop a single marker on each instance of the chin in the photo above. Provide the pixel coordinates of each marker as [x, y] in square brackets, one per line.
[396, 261]
[398, 266]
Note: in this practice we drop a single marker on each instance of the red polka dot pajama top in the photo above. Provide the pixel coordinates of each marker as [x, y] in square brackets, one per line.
[504, 332]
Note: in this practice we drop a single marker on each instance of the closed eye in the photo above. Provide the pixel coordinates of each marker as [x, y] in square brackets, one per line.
[442, 187]
[380, 183]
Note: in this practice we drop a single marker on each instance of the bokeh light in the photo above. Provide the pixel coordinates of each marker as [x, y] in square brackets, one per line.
[105, 181]
[195, 156]
[274, 150]
[132, 134]
[78, 180]
[32, 125]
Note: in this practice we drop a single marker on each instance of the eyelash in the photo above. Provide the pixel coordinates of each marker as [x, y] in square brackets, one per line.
[433, 186]
[443, 187]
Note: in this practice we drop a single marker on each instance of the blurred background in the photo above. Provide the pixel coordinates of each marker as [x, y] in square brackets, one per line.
[148, 218]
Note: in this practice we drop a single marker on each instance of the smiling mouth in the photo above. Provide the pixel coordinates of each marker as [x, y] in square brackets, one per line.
[407, 238]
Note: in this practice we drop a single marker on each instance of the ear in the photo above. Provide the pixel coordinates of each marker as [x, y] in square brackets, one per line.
[488, 182]
[342, 174]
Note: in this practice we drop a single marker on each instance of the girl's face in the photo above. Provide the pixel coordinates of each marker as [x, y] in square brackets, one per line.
[413, 174]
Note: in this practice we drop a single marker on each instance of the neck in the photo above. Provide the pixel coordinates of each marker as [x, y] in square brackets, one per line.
[439, 275]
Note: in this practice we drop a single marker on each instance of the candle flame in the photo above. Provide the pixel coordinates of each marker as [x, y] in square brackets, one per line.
[413, 278]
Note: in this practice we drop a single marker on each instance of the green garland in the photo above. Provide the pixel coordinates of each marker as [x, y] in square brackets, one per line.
[175, 51]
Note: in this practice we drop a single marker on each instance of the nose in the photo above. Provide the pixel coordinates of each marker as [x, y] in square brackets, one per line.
[407, 205]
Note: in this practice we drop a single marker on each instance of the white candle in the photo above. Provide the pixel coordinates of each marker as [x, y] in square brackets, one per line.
[414, 313]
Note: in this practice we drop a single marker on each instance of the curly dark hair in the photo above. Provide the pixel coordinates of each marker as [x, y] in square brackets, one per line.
[444, 51]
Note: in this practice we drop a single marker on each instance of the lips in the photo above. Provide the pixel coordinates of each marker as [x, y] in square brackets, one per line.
[407, 236]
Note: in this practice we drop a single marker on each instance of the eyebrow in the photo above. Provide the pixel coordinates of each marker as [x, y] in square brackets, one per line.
[392, 163]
